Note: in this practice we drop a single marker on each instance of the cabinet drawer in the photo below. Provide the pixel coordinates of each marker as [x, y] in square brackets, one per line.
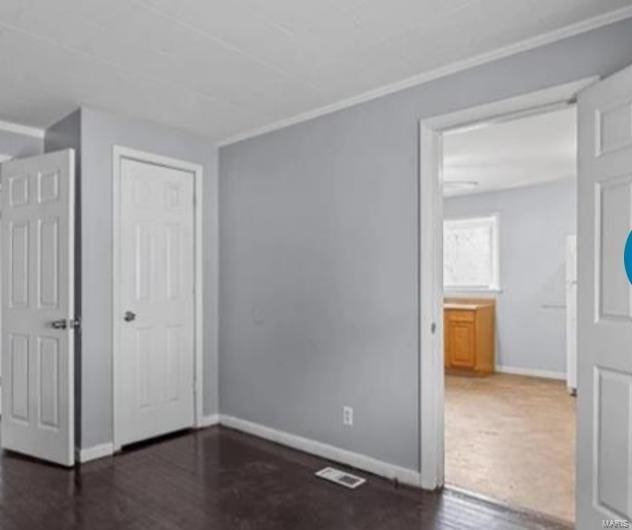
[459, 315]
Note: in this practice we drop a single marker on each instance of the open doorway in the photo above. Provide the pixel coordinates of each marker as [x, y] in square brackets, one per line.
[509, 216]
[439, 395]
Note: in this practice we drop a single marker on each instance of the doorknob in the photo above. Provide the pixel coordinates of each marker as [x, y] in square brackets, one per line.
[129, 316]
[63, 323]
[59, 324]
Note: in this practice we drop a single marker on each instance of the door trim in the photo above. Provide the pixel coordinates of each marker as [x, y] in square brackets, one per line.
[430, 248]
[119, 154]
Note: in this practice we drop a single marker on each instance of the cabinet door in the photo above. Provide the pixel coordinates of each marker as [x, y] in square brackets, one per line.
[446, 340]
[461, 342]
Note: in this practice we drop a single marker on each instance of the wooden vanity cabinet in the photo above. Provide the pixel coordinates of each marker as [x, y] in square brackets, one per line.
[469, 340]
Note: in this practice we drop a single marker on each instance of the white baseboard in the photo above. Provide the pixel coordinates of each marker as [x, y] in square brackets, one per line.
[107, 449]
[533, 372]
[95, 452]
[208, 421]
[330, 452]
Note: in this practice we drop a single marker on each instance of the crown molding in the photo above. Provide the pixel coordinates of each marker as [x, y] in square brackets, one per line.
[452, 68]
[24, 130]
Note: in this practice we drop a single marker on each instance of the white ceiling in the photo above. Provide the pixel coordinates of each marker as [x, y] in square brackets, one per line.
[521, 152]
[222, 67]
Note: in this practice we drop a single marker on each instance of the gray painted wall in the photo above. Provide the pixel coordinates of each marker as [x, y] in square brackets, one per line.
[66, 133]
[99, 132]
[318, 261]
[20, 145]
[534, 222]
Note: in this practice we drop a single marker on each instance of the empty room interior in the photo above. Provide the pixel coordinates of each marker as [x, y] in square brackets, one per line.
[316, 265]
[510, 261]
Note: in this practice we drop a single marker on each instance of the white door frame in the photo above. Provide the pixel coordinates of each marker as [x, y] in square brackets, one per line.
[119, 154]
[430, 244]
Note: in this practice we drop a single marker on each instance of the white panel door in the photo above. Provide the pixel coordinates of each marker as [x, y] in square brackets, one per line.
[604, 419]
[38, 225]
[156, 318]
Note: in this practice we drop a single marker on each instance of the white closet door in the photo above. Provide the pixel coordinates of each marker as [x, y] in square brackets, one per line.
[155, 377]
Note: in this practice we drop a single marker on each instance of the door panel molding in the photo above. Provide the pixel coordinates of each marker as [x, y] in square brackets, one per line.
[611, 385]
[612, 224]
[38, 290]
[121, 154]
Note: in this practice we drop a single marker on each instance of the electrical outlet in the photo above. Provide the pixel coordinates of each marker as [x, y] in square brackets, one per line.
[347, 415]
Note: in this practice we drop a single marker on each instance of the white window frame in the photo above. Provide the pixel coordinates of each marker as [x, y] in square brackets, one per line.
[494, 220]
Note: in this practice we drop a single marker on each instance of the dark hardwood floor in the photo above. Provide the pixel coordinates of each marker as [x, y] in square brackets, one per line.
[221, 479]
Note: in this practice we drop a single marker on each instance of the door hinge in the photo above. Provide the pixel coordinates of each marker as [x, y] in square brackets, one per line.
[433, 328]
